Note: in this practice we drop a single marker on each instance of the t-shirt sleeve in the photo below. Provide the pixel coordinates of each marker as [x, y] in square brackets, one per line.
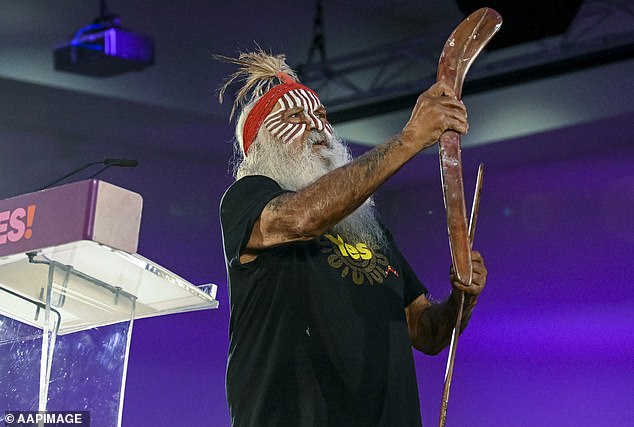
[412, 286]
[240, 208]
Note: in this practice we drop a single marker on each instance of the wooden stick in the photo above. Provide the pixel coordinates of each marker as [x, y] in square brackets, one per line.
[456, 330]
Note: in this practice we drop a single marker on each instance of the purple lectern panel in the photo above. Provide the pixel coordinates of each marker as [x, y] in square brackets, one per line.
[85, 210]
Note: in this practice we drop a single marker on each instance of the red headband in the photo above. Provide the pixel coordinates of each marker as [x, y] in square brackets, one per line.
[263, 107]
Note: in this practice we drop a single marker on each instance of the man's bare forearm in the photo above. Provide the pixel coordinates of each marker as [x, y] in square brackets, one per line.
[431, 329]
[316, 208]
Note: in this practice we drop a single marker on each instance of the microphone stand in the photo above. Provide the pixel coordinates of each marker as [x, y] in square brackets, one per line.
[86, 166]
[125, 163]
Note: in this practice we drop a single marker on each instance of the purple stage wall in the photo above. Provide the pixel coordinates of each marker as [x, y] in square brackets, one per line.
[551, 342]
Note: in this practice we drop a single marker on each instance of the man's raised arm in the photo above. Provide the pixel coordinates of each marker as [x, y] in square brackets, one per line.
[309, 212]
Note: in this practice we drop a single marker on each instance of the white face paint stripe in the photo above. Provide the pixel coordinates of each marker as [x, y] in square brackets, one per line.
[270, 125]
[312, 99]
[314, 121]
[275, 117]
[285, 129]
[320, 122]
[273, 122]
[289, 129]
[278, 128]
[297, 101]
[293, 133]
[290, 102]
[308, 101]
[324, 123]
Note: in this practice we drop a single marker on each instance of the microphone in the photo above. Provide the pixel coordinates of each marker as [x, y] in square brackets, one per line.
[124, 163]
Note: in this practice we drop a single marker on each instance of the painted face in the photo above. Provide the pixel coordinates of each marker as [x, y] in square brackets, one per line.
[299, 110]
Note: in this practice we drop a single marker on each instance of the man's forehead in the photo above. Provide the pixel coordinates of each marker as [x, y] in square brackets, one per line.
[298, 99]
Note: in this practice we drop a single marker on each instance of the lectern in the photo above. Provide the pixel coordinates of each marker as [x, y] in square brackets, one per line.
[71, 286]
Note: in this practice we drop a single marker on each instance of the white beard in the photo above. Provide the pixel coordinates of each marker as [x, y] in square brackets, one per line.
[270, 157]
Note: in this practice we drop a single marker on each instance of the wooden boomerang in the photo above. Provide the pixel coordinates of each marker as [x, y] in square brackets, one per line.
[461, 49]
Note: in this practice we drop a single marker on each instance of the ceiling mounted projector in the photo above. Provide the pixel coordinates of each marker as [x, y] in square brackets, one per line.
[104, 49]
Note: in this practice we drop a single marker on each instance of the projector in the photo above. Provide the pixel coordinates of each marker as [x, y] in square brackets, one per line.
[105, 52]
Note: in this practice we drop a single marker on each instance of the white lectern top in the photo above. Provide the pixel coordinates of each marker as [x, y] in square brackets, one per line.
[92, 226]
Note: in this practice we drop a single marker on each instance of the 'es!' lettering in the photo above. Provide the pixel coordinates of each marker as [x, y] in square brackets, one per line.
[16, 224]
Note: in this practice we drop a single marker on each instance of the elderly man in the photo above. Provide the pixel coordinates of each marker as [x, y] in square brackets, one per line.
[324, 308]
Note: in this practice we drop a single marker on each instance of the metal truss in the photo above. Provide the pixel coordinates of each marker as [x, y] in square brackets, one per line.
[390, 78]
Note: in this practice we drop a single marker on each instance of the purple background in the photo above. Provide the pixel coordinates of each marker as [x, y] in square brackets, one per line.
[551, 342]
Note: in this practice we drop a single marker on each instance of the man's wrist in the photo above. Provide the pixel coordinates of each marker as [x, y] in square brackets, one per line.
[412, 142]
[469, 299]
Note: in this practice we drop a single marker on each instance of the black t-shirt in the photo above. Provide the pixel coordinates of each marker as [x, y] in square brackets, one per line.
[318, 335]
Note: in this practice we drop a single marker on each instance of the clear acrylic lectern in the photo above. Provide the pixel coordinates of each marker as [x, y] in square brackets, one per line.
[71, 285]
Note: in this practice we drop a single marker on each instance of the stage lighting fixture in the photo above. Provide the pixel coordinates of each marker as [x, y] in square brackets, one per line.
[104, 49]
